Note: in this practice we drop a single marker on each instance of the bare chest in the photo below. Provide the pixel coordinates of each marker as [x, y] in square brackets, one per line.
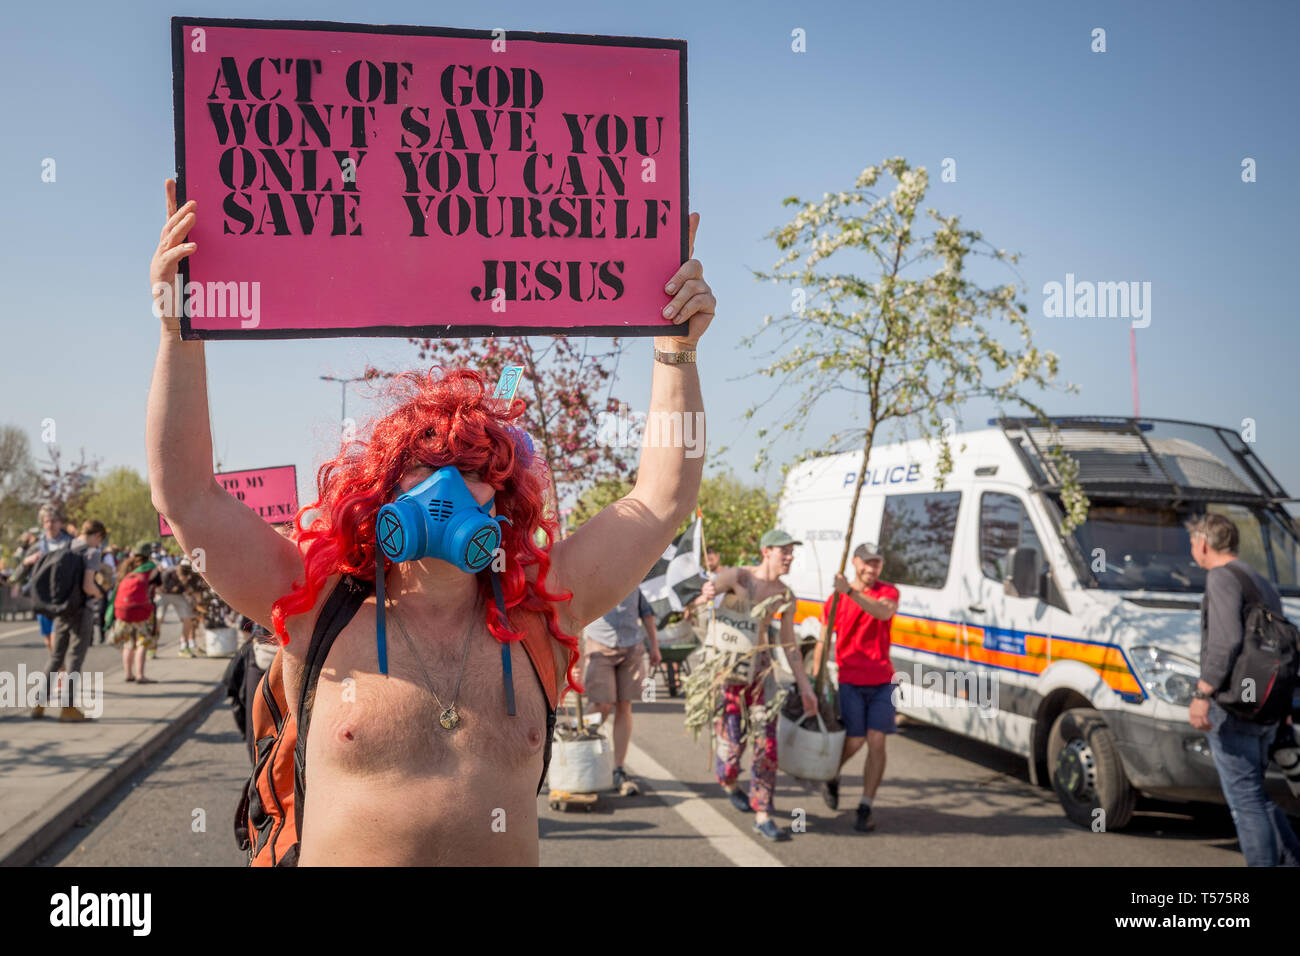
[758, 597]
[365, 723]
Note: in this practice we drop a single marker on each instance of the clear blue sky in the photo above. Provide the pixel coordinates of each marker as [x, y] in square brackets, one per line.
[1116, 166]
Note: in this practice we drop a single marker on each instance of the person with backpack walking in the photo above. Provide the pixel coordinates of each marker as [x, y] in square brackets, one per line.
[133, 621]
[1245, 689]
[54, 537]
[63, 584]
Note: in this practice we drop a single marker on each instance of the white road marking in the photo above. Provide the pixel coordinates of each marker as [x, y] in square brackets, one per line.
[723, 835]
[21, 631]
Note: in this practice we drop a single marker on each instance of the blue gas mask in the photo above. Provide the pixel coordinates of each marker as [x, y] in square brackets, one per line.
[439, 518]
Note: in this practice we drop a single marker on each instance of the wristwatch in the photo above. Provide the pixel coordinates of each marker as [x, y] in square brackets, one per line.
[675, 358]
[1199, 694]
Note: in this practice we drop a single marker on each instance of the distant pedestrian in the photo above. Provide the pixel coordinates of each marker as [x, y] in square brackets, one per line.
[135, 625]
[712, 564]
[616, 671]
[1239, 746]
[20, 571]
[181, 589]
[91, 545]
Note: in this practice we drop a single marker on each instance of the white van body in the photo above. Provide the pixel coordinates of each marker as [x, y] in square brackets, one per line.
[1117, 633]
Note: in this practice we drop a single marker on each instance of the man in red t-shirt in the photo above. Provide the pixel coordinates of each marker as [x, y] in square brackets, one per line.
[866, 686]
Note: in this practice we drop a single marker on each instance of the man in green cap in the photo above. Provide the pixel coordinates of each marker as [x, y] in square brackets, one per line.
[759, 593]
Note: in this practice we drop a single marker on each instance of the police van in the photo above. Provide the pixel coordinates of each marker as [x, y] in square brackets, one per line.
[1076, 651]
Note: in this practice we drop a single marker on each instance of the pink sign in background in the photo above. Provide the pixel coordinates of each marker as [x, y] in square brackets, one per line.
[271, 492]
[580, 138]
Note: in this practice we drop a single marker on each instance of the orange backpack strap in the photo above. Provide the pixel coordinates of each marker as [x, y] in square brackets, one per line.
[538, 645]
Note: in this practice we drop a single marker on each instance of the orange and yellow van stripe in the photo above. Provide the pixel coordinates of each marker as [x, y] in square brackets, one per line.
[966, 643]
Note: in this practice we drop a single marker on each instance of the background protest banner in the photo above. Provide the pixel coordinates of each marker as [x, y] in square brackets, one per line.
[271, 492]
[394, 180]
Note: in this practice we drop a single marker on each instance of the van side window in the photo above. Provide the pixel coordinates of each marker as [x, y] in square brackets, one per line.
[916, 536]
[1004, 524]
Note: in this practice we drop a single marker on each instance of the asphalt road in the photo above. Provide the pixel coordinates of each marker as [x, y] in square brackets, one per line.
[946, 801]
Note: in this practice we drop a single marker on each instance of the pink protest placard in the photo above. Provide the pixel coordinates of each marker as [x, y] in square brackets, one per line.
[414, 181]
[271, 492]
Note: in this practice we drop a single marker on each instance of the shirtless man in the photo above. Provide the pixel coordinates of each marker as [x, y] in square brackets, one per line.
[752, 587]
[385, 783]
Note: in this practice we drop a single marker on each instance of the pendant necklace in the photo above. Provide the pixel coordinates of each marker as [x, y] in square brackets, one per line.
[449, 718]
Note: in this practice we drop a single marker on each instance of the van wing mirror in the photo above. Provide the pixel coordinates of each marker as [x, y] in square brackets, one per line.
[1025, 566]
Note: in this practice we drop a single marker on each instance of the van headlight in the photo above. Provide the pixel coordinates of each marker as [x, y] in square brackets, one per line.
[1170, 677]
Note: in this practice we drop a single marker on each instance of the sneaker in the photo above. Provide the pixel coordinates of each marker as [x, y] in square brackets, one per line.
[185, 652]
[72, 715]
[831, 793]
[769, 829]
[151, 654]
[740, 800]
[864, 823]
[624, 784]
[38, 712]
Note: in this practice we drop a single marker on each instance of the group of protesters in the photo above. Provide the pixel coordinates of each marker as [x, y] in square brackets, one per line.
[121, 594]
[616, 660]
[862, 610]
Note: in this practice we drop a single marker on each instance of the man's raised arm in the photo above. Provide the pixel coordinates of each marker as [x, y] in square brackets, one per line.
[243, 558]
[609, 555]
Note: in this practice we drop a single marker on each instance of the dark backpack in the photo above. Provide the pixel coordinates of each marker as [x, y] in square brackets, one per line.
[1270, 650]
[58, 582]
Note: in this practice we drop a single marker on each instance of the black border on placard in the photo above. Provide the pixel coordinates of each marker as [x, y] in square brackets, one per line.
[240, 471]
[415, 331]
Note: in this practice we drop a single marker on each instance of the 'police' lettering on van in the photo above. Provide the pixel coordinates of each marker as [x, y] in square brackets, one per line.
[895, 475]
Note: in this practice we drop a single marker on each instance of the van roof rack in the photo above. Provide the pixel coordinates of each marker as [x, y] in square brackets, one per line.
[1144, 458]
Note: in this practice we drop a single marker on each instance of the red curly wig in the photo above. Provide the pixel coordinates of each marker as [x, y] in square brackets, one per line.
[439, 420]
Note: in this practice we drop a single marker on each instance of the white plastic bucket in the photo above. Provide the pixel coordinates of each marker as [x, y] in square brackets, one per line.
[808, 754]
[221, 641]
[581, 766]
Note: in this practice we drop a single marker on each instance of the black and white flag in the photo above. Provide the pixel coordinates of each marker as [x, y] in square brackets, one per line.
[677, 577]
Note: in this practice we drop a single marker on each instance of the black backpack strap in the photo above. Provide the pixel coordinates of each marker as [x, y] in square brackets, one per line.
[341, 606]
[550, 736]
[1249, 590]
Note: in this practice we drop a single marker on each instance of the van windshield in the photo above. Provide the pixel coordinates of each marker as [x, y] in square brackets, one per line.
[1132, 546]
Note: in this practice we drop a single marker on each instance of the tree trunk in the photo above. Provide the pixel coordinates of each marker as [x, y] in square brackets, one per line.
[546, 435]
[844, 561]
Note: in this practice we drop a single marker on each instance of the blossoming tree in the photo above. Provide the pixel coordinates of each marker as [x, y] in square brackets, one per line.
[883, 307]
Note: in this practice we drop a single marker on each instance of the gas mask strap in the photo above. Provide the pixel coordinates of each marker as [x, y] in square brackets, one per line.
[507, 676]
[381, 631]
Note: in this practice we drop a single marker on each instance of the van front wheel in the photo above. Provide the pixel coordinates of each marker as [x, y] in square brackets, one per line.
[1086, 771]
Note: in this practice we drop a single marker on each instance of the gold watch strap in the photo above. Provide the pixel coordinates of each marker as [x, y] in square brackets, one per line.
[675, 358]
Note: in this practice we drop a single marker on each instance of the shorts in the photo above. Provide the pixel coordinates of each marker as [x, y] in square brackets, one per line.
[866, 707]
[47, 625]
[183, 609]
[137, 634]
[614, 673]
